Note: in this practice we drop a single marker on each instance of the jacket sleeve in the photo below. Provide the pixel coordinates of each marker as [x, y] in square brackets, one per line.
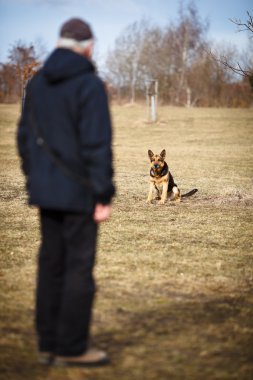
[95, 133]
[22, 135]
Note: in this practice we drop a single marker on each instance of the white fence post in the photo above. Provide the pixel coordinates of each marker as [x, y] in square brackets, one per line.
[151, 99]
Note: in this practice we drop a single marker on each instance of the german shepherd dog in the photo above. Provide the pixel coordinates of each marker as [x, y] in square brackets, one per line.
[162, 182]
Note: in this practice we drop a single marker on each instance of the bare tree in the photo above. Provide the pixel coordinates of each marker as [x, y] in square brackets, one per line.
[124, 61]
[23, 62]
[244, 69]
[23, 59]
[189, 37]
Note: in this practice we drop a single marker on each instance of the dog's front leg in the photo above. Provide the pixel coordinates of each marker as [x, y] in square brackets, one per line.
[164, 193]
[150, 194]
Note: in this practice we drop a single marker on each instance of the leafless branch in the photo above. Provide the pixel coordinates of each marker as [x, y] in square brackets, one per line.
[236, 68]
[248, 25]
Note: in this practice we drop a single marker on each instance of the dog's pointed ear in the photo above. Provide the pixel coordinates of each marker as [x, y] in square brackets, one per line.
[150, 153]
[163, 154]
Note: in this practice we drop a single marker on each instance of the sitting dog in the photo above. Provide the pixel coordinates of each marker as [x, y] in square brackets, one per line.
[161, 180]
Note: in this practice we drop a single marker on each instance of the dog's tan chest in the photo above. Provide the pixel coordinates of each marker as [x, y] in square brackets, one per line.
[159, 180]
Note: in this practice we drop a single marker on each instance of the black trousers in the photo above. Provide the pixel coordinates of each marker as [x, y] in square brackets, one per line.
[65, 284]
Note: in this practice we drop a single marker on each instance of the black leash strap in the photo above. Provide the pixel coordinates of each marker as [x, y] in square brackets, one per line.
[42, 142]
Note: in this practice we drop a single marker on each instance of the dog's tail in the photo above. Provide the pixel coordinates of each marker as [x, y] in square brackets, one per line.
[190, 193]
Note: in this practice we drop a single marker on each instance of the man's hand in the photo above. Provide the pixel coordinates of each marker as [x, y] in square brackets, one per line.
[102, 212]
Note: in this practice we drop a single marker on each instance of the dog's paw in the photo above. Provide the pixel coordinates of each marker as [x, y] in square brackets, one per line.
[149, 201]
[161, 202]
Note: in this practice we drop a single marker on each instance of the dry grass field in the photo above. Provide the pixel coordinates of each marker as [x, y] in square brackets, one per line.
[175, 282]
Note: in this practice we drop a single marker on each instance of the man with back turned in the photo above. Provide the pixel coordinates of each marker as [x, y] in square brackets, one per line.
[64, 140]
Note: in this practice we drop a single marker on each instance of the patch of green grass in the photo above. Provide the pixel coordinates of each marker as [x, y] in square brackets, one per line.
[175, 282]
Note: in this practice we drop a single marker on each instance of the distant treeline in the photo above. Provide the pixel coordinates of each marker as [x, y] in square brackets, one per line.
[179, 56]
[189, 68]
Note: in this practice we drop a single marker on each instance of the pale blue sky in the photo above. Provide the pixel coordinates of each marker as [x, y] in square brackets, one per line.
[28, 20]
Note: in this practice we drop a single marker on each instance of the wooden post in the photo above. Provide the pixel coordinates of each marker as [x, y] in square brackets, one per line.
[151, 99]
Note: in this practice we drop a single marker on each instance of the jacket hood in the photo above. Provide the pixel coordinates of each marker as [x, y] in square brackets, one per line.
[64, 63]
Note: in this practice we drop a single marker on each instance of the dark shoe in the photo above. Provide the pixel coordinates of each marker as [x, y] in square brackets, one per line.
[45, 358]
[91, 358]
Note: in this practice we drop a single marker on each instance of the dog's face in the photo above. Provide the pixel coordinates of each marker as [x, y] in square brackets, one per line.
[157, 160]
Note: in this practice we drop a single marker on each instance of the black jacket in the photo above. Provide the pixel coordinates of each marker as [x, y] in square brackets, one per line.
[68, 103]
